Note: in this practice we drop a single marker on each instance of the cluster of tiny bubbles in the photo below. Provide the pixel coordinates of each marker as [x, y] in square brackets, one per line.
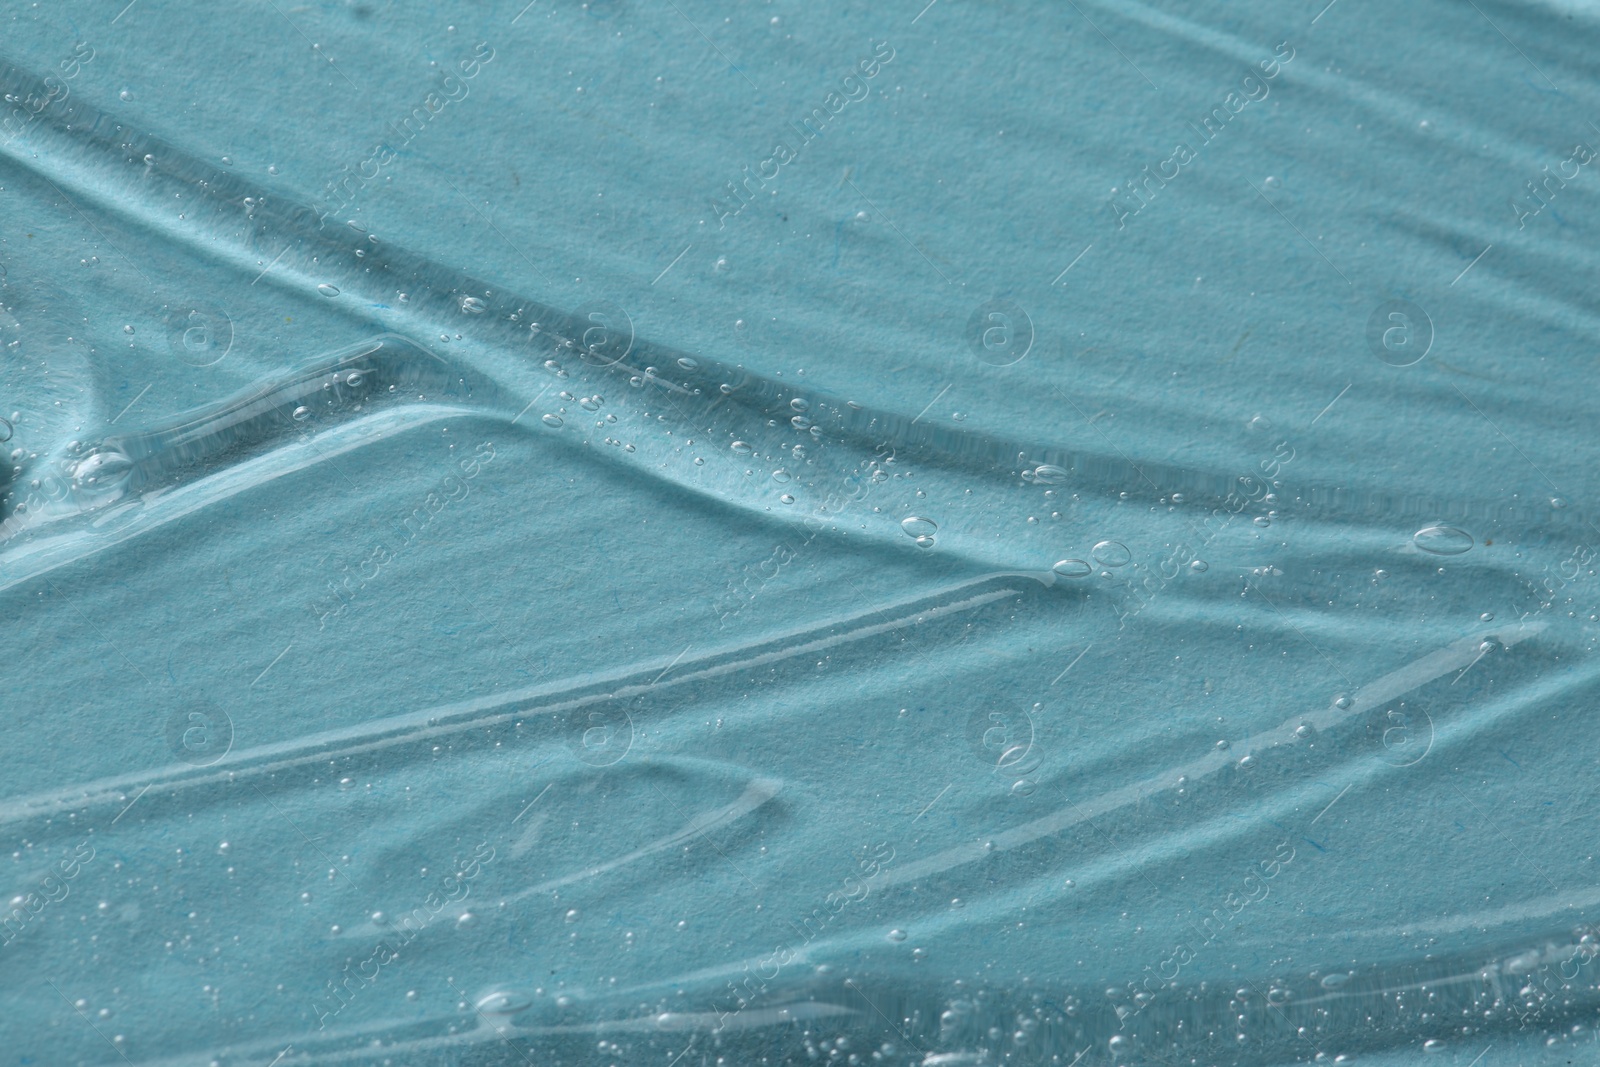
[920, 530]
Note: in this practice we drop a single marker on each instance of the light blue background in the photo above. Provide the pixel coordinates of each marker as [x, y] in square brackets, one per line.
[1220, 326]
